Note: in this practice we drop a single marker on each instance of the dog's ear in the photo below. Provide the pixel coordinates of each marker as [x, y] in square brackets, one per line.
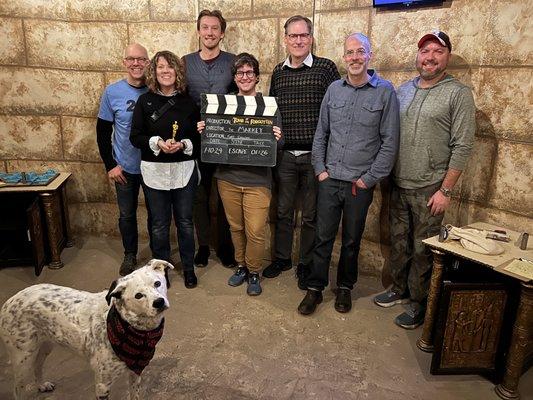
[114, 291]
[160, 265]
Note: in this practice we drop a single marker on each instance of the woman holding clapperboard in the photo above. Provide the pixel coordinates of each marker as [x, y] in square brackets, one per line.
[163, 127]
[245, 192]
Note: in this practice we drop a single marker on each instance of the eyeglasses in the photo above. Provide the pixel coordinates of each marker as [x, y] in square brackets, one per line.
[249, 74]
[131, 60]
[294, 36]
[359, 53]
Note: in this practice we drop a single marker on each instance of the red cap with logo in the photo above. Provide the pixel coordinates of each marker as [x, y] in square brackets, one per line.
[436, 36]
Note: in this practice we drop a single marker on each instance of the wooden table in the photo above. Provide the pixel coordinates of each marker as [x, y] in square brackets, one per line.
[53, 203]
[522, 335]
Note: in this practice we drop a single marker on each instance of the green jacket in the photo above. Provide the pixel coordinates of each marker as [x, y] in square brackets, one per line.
[437, 127]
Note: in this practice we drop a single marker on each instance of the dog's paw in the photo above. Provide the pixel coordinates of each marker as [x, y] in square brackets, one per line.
[46, 387]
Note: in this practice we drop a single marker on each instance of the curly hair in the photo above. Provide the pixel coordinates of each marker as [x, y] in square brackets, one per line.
[174, 62]
[245, 59]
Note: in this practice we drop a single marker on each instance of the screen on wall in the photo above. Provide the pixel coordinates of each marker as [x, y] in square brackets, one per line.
[405, 3]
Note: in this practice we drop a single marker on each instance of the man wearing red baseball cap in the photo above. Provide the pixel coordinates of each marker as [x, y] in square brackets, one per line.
[437, 125]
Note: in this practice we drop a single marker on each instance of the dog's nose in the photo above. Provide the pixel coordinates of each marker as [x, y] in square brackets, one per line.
[159, 303]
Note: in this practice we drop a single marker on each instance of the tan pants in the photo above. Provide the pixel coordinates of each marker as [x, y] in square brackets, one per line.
[247, 213]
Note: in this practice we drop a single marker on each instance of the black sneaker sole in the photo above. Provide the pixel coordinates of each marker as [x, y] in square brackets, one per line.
[408, 326]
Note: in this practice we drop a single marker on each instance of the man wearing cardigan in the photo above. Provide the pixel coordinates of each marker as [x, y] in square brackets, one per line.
[299, 84]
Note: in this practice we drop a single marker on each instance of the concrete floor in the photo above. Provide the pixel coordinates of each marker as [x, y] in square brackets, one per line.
[220, 343]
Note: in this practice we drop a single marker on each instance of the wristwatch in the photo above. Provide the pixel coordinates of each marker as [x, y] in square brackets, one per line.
[445, 191]
[184, 143]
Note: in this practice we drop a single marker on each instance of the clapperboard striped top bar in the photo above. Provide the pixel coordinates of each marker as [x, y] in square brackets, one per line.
[231, 104]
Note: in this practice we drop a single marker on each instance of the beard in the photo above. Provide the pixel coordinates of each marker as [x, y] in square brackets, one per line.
[428, 75]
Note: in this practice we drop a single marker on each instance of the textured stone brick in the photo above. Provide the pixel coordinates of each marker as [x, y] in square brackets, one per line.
[111, 77]
[331, 30]
[30, 137]
[282, 7]
[372, 257]
[229, 8]
[513, 178]
[12, 43]
[511, 40]
[125, 10]
[395, 33]
[325, 5]
[475, 180]
[73, 44]
[34, 8]
[165, 10]
[45, 91]
[468, 213]
[178, 37]
[255, 36]
[505, 109]
[102, 218]
[88, 182]
[79, 139]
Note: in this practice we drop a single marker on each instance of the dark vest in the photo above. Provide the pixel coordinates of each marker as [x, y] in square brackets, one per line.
[208, 78]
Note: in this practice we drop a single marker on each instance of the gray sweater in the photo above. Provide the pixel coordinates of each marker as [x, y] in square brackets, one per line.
[437, 127]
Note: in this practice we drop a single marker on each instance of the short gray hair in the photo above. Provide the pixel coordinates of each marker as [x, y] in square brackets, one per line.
[362, 38]
[296, 18]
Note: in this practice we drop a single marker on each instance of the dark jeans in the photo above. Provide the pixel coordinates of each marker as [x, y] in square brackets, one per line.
[128, 199]
[162, 204]
[202, 214]
[295, 177]
[335, 199]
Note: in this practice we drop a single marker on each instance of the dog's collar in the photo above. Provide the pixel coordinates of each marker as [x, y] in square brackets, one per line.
[133, 346]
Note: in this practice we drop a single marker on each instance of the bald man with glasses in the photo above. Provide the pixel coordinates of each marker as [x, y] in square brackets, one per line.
[122, 161]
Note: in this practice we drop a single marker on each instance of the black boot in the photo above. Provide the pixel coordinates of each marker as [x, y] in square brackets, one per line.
[190, 280]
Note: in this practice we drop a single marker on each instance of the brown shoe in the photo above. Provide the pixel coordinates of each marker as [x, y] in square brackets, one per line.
[310, 301]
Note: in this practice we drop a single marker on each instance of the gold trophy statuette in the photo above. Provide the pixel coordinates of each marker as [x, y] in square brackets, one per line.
[174, 131]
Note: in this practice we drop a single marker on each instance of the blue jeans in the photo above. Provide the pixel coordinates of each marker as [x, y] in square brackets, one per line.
[162, 204]
[335, 201]
[128, 199]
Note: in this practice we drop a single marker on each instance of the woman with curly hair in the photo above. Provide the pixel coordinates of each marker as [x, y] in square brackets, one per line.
[164, 128]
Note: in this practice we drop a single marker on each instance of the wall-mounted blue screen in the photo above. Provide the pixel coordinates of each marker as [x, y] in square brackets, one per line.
[381, 3]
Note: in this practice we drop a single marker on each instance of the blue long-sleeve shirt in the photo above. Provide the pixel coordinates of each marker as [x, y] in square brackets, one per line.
[357, 134]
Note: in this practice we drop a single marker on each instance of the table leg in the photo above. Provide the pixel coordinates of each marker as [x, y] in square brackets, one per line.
[66, 218]
[522, 335]
[54, 228]
[425, 343]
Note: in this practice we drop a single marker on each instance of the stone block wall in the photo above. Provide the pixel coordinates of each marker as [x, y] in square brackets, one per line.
[56, 57]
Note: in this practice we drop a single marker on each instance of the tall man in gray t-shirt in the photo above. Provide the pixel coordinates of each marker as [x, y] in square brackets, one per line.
[354, 147]
[209, 71]
[437, 125]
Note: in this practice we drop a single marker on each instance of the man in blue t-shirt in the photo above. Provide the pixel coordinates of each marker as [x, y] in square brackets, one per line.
[122, 160]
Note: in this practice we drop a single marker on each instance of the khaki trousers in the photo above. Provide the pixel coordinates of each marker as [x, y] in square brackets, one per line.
[247, 213]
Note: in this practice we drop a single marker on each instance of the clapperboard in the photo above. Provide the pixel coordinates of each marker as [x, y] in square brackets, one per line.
[238, 130]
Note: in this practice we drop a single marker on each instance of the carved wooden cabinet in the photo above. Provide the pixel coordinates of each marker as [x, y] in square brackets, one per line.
[34, 224]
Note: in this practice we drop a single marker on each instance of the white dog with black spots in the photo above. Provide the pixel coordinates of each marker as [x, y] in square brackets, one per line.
[37, 317]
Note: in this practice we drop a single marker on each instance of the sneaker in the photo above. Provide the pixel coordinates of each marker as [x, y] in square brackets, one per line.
[254, 285]
[128, 264]
[201, 259]
[412, 318]
[276, 268]
[390, 298]
[302, 272]
[239, 276]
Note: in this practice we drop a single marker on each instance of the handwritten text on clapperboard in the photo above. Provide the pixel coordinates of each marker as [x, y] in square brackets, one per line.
[238, 139]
